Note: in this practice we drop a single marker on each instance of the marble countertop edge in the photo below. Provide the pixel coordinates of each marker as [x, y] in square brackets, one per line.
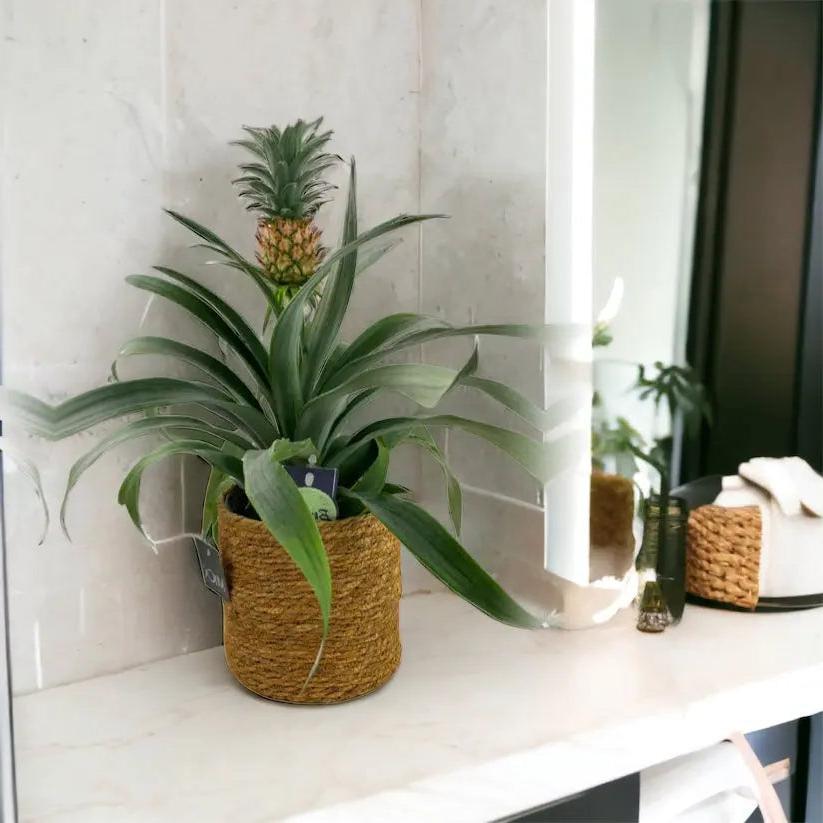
[481, 722]
[536, 777]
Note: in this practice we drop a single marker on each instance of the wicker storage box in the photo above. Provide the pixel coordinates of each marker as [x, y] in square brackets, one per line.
[723, 554]
[272, 626]
[726, 565]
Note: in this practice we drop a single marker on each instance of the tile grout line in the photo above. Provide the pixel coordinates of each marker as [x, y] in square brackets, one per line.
[501, 498]
[165, 192]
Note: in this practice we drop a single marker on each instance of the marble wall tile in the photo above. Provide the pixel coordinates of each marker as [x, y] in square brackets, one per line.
[81, 197]
[483, 162]
[113, 111]
[116, 110]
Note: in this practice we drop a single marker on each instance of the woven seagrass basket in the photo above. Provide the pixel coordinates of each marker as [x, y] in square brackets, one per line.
[724, 558]
[272, 625]
[723, 554]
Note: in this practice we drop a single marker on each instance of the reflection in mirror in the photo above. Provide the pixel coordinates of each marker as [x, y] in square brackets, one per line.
[651, 71]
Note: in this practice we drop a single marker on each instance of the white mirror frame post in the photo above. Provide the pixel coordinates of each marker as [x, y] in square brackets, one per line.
[570, 124]
[568, 291]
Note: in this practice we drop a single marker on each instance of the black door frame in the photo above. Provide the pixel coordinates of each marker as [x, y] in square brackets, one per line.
[784, 416]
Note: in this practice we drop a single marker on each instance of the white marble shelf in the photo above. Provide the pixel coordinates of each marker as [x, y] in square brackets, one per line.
[480, 721]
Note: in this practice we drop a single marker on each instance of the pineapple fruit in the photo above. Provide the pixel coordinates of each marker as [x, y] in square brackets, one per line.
[285, 186]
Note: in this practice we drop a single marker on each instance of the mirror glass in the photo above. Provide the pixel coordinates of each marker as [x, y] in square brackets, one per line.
[651, 62]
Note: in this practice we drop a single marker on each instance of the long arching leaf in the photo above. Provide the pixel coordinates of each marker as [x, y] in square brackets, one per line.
[325, 325]
[422, 438]
[232, 258]
[543, 419]
[129, 494]
[387, 329]
[227, 312]
[541, 460]
[32, 414]
[337, 293]
[203, 311]
[351, 404]
[213, 367]
[30, 472]
[278, 502]
[409, 332]
[424, 384]
[373, 479]
[445, 558]
[182, 426]
[421, 383]
[119, 399]
[454, 493]
[218, 484]
[323, 363]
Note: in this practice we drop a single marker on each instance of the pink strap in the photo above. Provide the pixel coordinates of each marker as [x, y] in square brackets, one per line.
[769, 802]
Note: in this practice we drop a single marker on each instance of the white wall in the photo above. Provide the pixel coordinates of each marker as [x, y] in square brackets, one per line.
[114, 110]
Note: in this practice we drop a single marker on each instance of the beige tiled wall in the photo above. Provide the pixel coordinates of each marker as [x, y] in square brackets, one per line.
[483, 147]
[114, 110]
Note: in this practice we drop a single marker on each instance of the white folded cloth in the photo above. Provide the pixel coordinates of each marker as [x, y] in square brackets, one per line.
[721, 784]
[789, 494]
[709, 786]
[791, 481]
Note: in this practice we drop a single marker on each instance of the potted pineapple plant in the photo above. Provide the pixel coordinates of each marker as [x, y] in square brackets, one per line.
[313, 608]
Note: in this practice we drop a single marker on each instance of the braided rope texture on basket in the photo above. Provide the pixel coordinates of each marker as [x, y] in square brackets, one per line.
[723, 554]
[272, 627]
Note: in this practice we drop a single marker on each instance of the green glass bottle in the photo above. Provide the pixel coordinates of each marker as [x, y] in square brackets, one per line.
[671, 558]
[653, 614]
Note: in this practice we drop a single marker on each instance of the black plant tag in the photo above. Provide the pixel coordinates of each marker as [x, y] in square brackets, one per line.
[212, 567]
[315, 477]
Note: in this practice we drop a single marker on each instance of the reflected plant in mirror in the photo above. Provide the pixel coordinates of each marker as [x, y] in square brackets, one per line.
[684, 397]
[306, 598]
[618, 445]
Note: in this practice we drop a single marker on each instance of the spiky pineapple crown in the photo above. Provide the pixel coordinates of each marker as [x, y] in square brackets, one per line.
[288, 182]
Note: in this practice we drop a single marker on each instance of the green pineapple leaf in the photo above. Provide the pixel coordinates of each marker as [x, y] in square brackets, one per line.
[129, 494]
[29, 470]
[325, 326]
[444, 557]
[278, 502]
[172, 425]
[203, 312]
[543, 461]
[211, 366]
